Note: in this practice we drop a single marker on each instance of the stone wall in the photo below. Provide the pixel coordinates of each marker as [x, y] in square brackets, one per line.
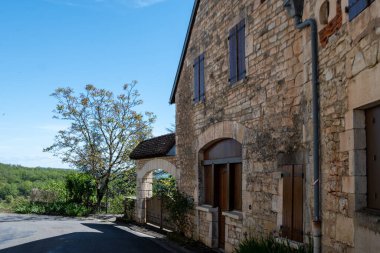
[273, 105]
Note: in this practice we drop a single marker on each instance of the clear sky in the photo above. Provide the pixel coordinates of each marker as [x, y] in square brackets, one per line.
[45, 44]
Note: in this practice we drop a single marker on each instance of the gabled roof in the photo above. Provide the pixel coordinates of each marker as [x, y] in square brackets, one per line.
[184, 50]
[156, 147]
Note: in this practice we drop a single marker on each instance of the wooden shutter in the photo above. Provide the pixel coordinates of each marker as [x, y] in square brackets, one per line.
[196, 80]
[373, 157]
[292, 224]
[236, 186]
[356, 7]
[209, 184]
[233, 55]
[202, 77]
[241, 49]
[287, 214]
[297, 203]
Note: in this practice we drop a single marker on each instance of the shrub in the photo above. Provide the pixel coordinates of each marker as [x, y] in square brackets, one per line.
[80, 188]
[179, 206]
[269, 245]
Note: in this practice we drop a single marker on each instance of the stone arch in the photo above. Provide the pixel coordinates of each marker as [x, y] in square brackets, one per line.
[155, 164]
[145, 181]
[222, 130]
[213, 134]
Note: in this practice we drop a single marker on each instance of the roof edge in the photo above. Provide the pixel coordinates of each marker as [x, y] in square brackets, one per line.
[184, 50]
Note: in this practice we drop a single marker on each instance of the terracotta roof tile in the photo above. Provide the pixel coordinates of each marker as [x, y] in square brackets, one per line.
[155, 147]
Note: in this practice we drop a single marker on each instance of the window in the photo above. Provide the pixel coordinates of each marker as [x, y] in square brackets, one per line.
[199, 79]
[237, 52]
[355, 7]
[228, 186]
[292, 219]
[373, 157]
[223, 175]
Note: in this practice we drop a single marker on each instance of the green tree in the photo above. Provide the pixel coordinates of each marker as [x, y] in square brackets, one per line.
[103, 131]
[80, 188]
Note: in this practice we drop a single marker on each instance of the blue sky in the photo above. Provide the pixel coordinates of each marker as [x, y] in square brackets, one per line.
[47, 44]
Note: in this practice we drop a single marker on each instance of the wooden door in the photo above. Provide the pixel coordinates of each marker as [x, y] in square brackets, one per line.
[222, 200]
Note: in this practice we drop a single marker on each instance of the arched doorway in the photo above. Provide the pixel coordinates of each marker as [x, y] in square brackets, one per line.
[222, 180]
[148, 204]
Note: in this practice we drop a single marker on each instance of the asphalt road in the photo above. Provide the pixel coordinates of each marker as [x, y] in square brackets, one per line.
[46, 234]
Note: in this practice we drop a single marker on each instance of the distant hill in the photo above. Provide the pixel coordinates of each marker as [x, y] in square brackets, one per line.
[18, 181]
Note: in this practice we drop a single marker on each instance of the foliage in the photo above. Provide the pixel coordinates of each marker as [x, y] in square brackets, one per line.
[129, 209]
[164, 185]
[269, 245]
[179, 205]
[56, 208]
[104, 129]
[80, 188]
[17, 182]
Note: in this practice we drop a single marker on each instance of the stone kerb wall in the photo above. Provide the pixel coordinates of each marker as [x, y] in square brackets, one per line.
[145, 169]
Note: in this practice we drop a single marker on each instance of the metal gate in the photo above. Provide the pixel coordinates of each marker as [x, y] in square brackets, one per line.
[157, 214]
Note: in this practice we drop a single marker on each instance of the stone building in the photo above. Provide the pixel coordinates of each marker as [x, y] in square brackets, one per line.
[244, 125]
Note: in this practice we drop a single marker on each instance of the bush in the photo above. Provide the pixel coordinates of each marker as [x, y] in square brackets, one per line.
[56, 208]
[269, 245]
[179, 205]
[80, 188]
[129, 209]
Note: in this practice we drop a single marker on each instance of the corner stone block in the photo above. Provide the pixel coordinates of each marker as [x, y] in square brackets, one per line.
[348, 184]
[357, 162]
[354, 119]
[352, 139]
[345, 230]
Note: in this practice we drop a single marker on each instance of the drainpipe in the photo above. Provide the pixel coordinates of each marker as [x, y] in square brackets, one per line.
[316, 123]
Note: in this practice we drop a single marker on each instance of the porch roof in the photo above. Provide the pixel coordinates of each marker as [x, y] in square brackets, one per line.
[156, 147]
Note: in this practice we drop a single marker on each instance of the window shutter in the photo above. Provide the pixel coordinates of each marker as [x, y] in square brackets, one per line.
[287, 216]
[241, 49]
[202, 77]
[209, 184]
[196, 80]
[356, 7]
[237, 186]
[292, 224]
[297, 203]
[233, 55]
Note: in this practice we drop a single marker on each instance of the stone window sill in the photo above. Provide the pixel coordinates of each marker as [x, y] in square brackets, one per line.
[369, 219]
[206, 208]
[236, 215]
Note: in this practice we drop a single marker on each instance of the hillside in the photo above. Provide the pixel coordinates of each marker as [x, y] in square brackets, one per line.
[17, 181]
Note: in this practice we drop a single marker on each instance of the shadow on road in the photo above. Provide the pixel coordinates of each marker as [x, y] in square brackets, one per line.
[107, 239]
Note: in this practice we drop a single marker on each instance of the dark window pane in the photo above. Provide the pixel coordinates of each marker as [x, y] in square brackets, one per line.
[373, 157]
